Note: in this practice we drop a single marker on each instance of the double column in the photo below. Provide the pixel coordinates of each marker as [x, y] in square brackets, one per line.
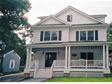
[28, 58]
[67, 56]
[105, 57]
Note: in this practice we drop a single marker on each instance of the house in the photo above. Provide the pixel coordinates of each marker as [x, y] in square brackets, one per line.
[11, 62]
[68, 43]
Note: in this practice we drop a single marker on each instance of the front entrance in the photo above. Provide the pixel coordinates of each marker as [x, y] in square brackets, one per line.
[49, 59]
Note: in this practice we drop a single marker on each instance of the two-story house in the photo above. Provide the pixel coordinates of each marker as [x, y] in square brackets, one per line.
[69, 43]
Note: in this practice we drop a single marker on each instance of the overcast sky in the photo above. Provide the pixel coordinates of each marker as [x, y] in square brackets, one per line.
[50, 7]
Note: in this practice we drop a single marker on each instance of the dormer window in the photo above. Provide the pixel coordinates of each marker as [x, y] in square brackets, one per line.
[69, 18]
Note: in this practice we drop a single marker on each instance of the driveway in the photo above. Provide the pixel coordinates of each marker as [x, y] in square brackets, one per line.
[12, 77]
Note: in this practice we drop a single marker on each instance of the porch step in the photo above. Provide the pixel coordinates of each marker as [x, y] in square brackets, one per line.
[43, 73]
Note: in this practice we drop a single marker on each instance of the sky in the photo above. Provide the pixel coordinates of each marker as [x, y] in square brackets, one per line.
[50, 7]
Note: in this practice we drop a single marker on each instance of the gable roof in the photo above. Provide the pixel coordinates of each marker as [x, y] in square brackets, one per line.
[12, 51]
[82, 13]
[49, 17]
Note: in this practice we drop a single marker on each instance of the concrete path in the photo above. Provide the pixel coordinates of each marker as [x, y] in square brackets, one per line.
[12, 77]
[35, 80]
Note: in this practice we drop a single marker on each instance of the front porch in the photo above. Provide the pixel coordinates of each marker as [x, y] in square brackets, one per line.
[69, 59]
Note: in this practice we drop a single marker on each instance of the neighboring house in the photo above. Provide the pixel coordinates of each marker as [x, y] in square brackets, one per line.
[69, 43]
[11, 62]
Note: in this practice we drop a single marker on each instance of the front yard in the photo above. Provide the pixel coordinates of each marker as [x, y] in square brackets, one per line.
[80, 79]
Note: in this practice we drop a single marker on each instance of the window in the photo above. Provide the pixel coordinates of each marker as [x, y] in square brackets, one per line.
[90, 35]
[69, 18]
[83, 35]
[59, 35]
[86, 35]
[12, 64]
[54, 35]
[50, 35]
[47, 36]
[96, 35]
[86, 55]
[77, 35]
[41, 36]
[83, 56]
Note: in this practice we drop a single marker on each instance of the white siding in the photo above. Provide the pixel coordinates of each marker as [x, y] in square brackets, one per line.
[51, 21]
[65, 34]
[101, 33]
[77, 18]
[69, 36]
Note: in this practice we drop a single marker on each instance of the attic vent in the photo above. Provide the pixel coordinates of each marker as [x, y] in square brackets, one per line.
[69, 18]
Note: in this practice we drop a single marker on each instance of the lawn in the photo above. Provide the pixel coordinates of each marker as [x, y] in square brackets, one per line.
[80, 79]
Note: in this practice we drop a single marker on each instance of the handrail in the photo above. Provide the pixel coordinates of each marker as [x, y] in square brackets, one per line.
[52, 67]
[36, 67]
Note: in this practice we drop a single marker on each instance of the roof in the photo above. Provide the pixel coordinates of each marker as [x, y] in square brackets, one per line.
[99, 16]
[92, 17]
[12, 51]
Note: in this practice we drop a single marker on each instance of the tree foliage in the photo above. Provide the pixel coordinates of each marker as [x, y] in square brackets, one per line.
[12, 19]
[109, 37]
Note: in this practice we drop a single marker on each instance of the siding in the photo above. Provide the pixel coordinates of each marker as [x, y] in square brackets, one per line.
[6, 62]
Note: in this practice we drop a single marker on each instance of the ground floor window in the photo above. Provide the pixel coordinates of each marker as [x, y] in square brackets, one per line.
[86, 55]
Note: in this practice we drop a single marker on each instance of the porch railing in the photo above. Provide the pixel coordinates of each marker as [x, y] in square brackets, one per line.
[89, 64]
[59, 64]
[86, 64]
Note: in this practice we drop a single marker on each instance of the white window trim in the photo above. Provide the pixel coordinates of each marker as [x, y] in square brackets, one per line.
[51, 36]
[70, 18]
[12, 61]
[87, 34]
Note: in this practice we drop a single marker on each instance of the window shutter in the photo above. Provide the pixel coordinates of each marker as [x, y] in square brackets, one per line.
[60, 35]
[41, 36]
[77, 35]
[96, 35]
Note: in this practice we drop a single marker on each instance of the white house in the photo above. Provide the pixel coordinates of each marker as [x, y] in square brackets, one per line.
[69, 43]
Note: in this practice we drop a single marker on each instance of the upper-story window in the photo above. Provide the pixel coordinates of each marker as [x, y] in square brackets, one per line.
[50, 35]
[86, 35]
[54, 35]
[82, 35]
[69, 18]
[90, 35]
[47, 36]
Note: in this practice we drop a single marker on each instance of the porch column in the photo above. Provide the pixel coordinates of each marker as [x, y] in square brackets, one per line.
[69, 56]
[66, 53]
[107, 56]
[28, 58]
[103, 56]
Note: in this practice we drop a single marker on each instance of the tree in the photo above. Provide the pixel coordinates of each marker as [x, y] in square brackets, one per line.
[109, 37]
[12, 19]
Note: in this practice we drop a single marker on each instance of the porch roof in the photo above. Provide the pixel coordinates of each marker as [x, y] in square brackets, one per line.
[69, 43]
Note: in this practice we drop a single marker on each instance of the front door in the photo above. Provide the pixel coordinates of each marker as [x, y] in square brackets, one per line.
[49, 59]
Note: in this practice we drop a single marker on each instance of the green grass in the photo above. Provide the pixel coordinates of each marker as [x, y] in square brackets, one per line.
[79, 79]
